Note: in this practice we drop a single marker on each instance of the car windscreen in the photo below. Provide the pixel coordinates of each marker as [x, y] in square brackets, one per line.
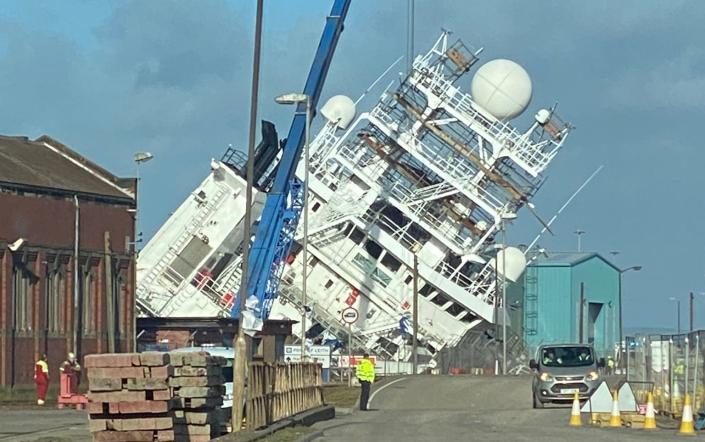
[578, 356]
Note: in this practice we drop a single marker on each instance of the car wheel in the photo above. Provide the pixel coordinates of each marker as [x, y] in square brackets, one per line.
[537, 403]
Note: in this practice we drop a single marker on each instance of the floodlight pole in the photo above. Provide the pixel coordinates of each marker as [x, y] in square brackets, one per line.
[240, 344]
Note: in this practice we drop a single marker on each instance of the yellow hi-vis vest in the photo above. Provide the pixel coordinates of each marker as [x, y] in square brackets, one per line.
[365, 370]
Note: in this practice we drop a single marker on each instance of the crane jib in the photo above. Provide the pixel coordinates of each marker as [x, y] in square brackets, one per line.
[284, 202]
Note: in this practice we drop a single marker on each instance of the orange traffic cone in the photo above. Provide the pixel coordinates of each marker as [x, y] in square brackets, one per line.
[687, 428]
[615, 418]
[575, 420]
[650, 418]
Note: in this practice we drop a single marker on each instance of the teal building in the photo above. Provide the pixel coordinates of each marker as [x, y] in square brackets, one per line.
[545, 304]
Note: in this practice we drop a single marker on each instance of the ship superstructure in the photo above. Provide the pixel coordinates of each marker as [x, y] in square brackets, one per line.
[429, 172]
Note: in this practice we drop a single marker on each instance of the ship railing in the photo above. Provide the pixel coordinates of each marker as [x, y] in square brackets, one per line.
[518, 145]
[459, 170]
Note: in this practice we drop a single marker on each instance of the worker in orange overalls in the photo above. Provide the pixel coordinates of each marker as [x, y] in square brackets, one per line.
[41, 379]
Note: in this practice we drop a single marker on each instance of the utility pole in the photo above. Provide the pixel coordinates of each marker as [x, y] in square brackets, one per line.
[240, 344]
[415, 342]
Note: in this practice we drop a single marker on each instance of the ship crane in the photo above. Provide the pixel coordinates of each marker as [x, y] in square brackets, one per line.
[284, 202]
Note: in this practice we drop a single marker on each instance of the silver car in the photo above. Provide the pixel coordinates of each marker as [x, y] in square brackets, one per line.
[562, 370]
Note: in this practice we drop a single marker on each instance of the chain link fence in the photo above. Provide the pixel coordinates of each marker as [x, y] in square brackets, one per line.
[670, 365]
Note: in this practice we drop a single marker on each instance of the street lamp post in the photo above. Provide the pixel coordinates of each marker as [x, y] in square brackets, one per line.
[580, 234]
[296, 98]
[622, 272]
[139, 158]
[504, 218]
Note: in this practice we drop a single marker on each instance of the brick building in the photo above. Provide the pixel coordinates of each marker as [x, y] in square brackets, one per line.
[66, 261]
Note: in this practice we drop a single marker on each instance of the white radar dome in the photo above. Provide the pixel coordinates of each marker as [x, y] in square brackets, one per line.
[502, 88]
[340, 110]
[516, 263]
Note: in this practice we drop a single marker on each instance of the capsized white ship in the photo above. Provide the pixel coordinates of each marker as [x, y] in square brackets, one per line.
[430, 171]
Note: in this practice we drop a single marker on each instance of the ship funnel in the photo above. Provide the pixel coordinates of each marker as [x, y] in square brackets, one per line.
[339, 110]
[515, 262]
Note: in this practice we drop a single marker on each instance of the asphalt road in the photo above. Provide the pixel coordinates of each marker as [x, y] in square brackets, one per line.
[44, 424]
[445, 408]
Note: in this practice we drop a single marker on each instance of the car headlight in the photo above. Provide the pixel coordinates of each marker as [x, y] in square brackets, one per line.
[545, 377]
[592, 376]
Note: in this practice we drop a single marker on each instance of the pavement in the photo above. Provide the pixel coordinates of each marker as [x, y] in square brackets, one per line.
[416, 408]
[449, 408]
[44, 424]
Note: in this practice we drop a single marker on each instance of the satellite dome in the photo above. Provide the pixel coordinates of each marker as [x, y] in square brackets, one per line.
[502, 88]
[340, 110]
[516, 263]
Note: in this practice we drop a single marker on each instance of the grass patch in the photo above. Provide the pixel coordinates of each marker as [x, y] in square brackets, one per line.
[290, 434]
[26, 394]
[341, 395]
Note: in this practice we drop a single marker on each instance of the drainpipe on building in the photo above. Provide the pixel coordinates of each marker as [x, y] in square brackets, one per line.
[76, 310]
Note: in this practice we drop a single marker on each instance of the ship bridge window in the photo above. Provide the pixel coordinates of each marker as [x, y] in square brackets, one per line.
[357, 236]
[390, 262]
[440, 300]
[379, 276]
[374, 249]
[426, 290]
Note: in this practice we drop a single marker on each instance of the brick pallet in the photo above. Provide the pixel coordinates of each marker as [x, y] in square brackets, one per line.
[197, 387]
[129, 397]
[155, 396]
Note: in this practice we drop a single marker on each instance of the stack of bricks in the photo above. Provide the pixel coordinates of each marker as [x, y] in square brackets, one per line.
[129, 397]
[197, 388]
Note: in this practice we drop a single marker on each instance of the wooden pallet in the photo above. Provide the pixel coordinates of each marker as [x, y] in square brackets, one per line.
[633, 420]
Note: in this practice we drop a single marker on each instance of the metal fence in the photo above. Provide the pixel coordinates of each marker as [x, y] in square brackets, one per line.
[672, 365]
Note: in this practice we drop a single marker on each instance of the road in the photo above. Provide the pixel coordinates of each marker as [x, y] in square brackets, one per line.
[445, 408]
[48, 424]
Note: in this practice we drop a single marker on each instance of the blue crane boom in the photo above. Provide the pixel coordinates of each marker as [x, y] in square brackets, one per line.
[284, 202]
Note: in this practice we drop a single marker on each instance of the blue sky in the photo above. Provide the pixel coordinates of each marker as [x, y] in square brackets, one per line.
[172, 77]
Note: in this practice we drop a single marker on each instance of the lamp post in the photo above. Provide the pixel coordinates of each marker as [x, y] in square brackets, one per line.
[580, 234]
[139, 158]
[678, 312]
[622, 272]
[296, 98]
[506, 216]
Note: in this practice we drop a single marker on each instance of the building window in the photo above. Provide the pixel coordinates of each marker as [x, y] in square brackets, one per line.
[55, 286]
[408, 279]
[329, 284]
[315, 207]
[88, 297]
[23, 281]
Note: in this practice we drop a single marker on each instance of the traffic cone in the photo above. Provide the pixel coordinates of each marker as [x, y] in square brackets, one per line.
[615, 418]
[687, 428]
[650, 418]
[575, 420]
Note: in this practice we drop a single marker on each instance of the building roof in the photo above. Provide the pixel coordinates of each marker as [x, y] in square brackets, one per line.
[46, 164]
[567, 259]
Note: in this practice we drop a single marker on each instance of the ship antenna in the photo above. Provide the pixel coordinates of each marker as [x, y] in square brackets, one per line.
[374, 83]
[585, 183]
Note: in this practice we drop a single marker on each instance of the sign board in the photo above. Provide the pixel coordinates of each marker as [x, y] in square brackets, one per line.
[317, 353]
[345, 361]
[350, 315]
